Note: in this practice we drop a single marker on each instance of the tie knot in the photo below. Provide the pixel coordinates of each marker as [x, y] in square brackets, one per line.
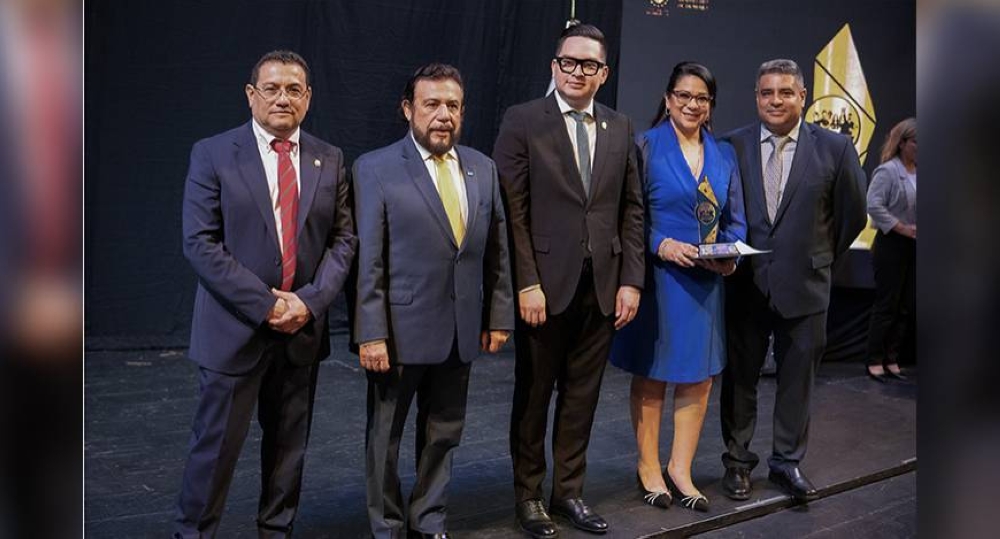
[440, 158]
[578, 115]
[779, 142]
[282, 146]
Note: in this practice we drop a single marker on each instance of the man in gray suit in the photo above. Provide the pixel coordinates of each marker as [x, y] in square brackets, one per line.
[433, 287]
[805, 202]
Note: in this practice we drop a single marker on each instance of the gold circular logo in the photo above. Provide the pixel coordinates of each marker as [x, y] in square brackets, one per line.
[706, 213]
[836, 114]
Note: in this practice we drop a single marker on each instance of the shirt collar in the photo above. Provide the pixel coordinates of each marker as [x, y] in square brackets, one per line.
[565, 107]
[425, 154]
[765, 133]
[264, 138]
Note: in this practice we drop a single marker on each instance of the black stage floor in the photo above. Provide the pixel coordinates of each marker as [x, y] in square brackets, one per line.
[139, 406]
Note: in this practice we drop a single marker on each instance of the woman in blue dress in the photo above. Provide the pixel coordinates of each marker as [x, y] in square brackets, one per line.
[693, 196]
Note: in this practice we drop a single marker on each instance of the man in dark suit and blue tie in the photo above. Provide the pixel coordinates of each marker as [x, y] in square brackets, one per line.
[804, 191]
[569, 174]
[433, 289]
[268, 231]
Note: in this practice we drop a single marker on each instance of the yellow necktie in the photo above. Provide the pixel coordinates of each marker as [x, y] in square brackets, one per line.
[449, 198]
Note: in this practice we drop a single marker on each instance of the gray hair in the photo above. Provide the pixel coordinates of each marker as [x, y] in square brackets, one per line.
[781, 66]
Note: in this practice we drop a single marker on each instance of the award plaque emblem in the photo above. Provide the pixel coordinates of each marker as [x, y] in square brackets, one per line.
[707, 212]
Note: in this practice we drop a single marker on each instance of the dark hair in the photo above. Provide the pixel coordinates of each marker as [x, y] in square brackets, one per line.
[284, 57]
[781, 66]
[588, 31]
[685, 69]
[433, 71]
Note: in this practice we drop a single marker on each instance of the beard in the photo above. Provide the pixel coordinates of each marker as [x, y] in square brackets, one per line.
[436, 147]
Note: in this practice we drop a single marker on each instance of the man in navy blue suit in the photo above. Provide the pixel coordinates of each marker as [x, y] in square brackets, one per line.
[268, 231]
[433, 289]
[804, 191]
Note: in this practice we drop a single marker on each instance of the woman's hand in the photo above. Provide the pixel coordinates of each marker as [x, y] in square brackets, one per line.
[678, 252]
[722, 266]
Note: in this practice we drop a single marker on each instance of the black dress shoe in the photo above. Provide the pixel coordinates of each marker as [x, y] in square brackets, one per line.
[661, 499]
[535, 521]
[880, 378]
[792, 481]
[698, 502]
[579, 515]
[736, 483]
[418, 535]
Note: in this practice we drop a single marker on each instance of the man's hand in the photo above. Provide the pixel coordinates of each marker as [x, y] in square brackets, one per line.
[279, 308]
[532, 304]
[493, 340]
[295, 315]
[678, 252]
[374, 356]
[626, 305]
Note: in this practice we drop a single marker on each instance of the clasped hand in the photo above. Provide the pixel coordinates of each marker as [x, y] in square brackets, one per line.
[289, 313]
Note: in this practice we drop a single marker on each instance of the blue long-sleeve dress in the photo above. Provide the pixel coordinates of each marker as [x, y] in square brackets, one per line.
[678, 334]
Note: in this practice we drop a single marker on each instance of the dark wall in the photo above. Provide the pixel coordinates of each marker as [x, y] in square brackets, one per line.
[161, 75]
[733, 37]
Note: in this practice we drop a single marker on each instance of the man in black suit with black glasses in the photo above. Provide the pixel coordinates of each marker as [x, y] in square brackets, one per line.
[574, 203]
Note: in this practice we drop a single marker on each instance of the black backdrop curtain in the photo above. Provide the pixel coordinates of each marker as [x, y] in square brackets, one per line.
[161, 75]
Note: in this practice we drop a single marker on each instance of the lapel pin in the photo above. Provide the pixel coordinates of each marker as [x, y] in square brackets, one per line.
[604, 125]
[470, 173]
[316, 162]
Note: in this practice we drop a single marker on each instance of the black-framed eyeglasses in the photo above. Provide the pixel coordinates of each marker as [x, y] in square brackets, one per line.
[587, 67]
[683, 98]
[270, 93]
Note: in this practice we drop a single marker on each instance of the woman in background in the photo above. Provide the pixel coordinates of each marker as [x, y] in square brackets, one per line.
[892, 204]
[693, 196]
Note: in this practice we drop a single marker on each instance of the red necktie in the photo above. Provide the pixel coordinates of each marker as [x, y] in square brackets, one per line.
[288, 203]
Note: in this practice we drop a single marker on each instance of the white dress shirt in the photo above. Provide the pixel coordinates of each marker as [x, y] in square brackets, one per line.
[270, 159]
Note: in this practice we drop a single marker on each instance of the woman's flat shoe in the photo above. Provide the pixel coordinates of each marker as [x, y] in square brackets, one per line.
[660, 499]
[897, 375]
[697, 502]
[880, 378]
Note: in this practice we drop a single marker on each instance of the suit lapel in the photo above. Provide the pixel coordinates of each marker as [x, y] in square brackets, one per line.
[310, 166]
[417, 171]
[556, 125]
[470, 177]
[253, 175]
[600, 149]
[752, 164]
[799, 171]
